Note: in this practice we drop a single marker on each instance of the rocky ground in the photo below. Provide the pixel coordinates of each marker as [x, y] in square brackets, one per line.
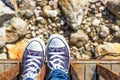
[96, 35]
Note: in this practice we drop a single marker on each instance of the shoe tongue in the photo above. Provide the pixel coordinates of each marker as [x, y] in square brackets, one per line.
[56, 43]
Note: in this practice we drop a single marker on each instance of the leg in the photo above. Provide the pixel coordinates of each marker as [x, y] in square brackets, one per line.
[58, 55]
[33, 59]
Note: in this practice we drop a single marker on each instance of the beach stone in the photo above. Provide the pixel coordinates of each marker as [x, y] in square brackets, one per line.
[16, 29]
[5, 13]
[113, 6]
[2, 36]
[15, 51]
[74, 10]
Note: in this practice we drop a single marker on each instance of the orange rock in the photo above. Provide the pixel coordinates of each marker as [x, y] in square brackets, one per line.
[15, 51]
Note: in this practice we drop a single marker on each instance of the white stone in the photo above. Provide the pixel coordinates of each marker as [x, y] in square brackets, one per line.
[3, 56]
[96, 22]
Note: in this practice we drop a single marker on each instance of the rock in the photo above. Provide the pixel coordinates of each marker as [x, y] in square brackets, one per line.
[49, 12]
[28, 13]
[3, 56]
[33, 34]
[16, 29]
[2, 36]
[96, 22]
[110, 57]
[37, 12]
[113, 6]
[28, 4]
[15, 51]
[104, 31]
[79, 38]
[108, 48]
[74, 10]
[5, 13]
[117, 36]
[115, 28]
[118, 22]
[93, 1]
[41, 2]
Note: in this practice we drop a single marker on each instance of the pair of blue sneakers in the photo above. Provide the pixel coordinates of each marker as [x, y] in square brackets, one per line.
[57, 52]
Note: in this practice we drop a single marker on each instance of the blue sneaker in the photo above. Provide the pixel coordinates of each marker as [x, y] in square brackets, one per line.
[33, 59]
[58, 53]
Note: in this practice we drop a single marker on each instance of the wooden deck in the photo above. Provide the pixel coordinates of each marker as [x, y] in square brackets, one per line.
[79, 70]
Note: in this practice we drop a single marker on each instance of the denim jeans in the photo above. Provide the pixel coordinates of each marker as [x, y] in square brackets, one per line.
[56, 74]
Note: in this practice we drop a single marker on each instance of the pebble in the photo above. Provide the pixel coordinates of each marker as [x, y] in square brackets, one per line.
[28, 14]
[115, 28]
[96, 22]
[33, 34]
[104, 31]
[3, 56]
[46, 18]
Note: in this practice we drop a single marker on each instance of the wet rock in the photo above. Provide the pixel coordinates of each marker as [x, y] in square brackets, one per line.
[15, 51]
[74, 10]
[17, 28]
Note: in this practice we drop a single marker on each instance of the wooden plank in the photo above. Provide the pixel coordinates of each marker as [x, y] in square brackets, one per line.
[1, 68]
[41, 75]
[9, 65]
[96, 61]
[108, 66]
[116, 68]
[10, 73]
[77, 72]
[90, 72]
[3, 61]
[106, 73]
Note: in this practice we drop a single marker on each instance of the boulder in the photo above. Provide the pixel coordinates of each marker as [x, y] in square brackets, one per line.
[5, 13]
[74, 10]
[79, 39]
[2, 37]
[108, 48]
[16, 29]
[16, 50]
[113, 6]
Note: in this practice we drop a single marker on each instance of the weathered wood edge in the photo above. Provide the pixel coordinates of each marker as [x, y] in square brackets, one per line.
[106, 73]
[94, 61]
[74, 73]
[72, 61]
[10, 61]
[10, 73]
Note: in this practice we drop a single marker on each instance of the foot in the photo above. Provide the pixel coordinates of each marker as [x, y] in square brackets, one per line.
[58, 53]
[33, 58]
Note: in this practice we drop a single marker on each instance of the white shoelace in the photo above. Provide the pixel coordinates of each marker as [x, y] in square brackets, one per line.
[56, 56]
[32, 71]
